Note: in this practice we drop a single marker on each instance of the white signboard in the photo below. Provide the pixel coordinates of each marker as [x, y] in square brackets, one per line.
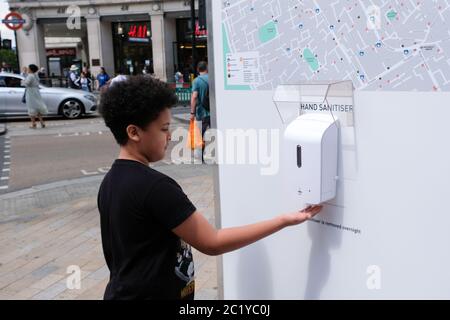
[386, 235]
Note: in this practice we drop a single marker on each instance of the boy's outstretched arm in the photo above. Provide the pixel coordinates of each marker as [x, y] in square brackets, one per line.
[197, 231]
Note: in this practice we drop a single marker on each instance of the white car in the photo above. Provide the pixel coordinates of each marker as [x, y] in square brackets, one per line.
[69, 103]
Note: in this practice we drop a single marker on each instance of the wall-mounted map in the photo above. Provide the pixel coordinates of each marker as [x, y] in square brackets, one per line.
[395, 45]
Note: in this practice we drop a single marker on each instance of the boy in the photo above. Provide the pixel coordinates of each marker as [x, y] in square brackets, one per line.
[148, 224]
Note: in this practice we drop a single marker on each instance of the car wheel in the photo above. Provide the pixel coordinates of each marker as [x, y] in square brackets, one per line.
[71, 109]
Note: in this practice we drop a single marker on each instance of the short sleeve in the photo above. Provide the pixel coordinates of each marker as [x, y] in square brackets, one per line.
[195, 86]
[168, 204]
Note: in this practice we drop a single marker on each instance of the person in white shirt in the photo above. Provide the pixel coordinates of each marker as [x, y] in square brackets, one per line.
[118, 78]
[73, 77]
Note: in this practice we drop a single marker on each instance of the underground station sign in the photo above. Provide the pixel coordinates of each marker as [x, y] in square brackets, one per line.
[13, 21]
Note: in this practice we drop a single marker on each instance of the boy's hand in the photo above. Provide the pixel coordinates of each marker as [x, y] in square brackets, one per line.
[296, 218]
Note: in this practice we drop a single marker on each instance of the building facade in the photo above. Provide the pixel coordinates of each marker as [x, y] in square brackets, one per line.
[119, 35]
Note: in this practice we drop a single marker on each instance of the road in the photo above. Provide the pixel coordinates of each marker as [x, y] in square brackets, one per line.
[64, 150]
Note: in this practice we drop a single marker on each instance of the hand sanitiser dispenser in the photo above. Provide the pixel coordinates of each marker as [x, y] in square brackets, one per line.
[311, 157]
[312, 115]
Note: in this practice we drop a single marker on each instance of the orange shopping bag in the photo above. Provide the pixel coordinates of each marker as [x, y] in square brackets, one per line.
[194, 139]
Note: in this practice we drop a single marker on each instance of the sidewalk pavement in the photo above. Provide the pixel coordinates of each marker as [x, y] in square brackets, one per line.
[183, 117]
[46, 229]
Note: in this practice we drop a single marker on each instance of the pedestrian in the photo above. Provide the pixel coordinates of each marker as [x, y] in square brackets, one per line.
[200, 110]
[179, 77]
[73, 76]
[24, 72]
[87, 72]
[41, 73]
[147, 222]
[33, 99]
[102, 78]
[148, 71]
[120, 76]
[84, 82]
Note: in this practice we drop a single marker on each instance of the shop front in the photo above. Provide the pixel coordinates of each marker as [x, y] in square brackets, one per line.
[133, 52]
[59, 61]
[182, 48]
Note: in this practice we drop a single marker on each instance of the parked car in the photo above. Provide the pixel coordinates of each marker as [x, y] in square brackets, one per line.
[69, 103]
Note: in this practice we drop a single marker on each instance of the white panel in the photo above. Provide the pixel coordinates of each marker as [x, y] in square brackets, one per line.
[391, 210]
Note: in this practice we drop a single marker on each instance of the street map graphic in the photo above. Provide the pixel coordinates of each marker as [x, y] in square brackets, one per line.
[396, 45]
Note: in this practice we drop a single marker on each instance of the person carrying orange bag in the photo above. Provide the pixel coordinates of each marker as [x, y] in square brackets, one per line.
[200, 104]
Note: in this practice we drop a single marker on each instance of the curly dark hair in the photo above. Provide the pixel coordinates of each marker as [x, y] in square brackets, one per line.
[138, 101]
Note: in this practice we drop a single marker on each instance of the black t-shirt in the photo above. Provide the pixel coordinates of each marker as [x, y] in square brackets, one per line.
[138, 209]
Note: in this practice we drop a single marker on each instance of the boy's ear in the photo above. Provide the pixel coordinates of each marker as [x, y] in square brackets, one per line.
[133, 133]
